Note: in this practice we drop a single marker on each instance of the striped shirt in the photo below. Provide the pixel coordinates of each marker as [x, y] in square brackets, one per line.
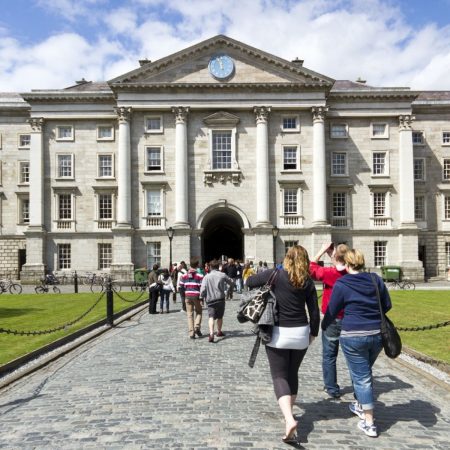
[191, 282]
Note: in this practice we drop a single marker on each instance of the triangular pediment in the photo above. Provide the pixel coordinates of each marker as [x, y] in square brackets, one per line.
[190, 67]
[221, 118]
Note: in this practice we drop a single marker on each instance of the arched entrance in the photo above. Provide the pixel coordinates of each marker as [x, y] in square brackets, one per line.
[222, 235]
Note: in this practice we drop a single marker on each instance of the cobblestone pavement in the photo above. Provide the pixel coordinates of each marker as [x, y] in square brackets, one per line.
[145, 384]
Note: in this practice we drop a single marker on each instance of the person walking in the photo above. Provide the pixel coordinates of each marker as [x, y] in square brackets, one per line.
[239, 269]
[356, 294]
[182, 270]
[153, 289]
[330, 339]
[292, 334]
[213, 290]
[166, 287]
[247, 272]
[230, 270]
[191, 283]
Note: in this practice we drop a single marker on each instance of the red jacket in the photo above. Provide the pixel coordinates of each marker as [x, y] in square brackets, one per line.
[328, 276]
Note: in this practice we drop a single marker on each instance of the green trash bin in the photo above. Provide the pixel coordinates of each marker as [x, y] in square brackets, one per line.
[140, 276]
[391, 273]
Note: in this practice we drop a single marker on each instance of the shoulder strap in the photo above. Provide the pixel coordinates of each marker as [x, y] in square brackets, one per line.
[272, 278]
[378, 298]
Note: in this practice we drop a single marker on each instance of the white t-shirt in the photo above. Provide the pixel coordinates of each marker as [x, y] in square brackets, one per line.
[294, 338]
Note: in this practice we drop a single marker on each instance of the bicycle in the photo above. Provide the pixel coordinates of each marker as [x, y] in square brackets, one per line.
[102, 285]
[136, 287]
[400, 284]
[43, 288]
[8, 285]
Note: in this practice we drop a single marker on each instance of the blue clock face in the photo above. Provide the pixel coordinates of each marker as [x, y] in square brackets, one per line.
[221, 66]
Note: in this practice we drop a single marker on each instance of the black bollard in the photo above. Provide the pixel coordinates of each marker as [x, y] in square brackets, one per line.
[75, 282]
[109, 304]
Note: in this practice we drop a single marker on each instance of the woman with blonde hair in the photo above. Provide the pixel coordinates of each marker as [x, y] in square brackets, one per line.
[295, 293]
[360, 340]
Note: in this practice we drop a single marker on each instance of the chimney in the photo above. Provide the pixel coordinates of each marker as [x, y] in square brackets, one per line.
[298, 62]
[361, 81]
[82, 81]
[143, 62]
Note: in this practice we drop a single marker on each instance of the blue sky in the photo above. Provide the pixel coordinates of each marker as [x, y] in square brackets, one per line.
[50, 43]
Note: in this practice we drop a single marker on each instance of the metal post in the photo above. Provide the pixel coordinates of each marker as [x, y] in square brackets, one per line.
[75, 282]
[109, 304]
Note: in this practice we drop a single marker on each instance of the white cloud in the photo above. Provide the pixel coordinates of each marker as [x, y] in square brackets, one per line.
[343, 39]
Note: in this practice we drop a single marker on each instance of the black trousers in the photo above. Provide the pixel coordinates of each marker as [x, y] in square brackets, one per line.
[284, 364]
[152, 301]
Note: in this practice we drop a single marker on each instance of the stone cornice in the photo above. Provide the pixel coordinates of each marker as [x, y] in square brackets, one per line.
[371, 94]
[66, 97]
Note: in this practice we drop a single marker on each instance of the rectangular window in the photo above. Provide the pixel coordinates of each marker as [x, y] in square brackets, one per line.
[65, 166]
[24, 210]
[446, 169]
[153, 124]
[64, 256]
[419, 208]
[105, 206]
[290, 202]
[153, 253]
[339, 205]
[105, 166]
[419, 169]
[290, 157]
[380, 130]
[105, 133]
[288, 245]
[24, 172]
[104, 256]
[339, 131]
[153, 159]
[447, 208]
[379, 163]
[417, 137]
[65, 207]
[221, 149]
[446, 137]
[338, 164]
[290, 123]
[379, 204]
[64, 133]
[379, 253]
[24, 140]
[447, 253]
[154, 203]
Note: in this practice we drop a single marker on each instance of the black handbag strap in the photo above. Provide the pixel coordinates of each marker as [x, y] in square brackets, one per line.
[272, 278]
[383, 319]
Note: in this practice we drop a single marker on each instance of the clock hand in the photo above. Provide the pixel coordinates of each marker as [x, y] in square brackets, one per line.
[221, 63]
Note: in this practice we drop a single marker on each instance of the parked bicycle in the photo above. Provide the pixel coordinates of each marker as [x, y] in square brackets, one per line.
[43, 288]
[400, 284]
[139, 287]
[10, 286]
[100, 286]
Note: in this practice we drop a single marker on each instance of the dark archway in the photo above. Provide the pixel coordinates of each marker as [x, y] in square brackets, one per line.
[222, 235]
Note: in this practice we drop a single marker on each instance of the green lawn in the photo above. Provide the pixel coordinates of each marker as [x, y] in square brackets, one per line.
[41, 312]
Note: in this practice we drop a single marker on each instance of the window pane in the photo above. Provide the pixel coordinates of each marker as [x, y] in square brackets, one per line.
[379, 163]
[105, 210]
[153, 123]
[447, 253]
[64, 132]
[221, 148]
[417, 137]
[379, 129]
[339, 204]
[289, 123]
[380, 253]
[419, 207]
[105, 166]
[154, 203]
[446, 137]
[447, 208]
[24, 140]
[290, 201]
[289, 158]
[64, 256]
[419, 169]
[153, 158]
[153, 253]
[25, 172]
[104, 256]
[25, 205]
[65, 206]
[446, 173]
[379, 204]
[104, 132]
[339, 165]
[64, 165]
[339, 130]
[288, 245]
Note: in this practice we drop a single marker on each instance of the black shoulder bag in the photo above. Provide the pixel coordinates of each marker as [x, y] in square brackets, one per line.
[392, 343]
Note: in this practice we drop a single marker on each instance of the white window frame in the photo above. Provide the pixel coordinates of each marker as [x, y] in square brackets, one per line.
[156, 257]
[339, 124]
[57, 206]
[233, 130]
[445, 137]
[20, 181]
[98, 209]
[19, 141]
[104, 263]
[288, 244]
[378, 221]
[385, 251]
[297, 123]
[385, 135]
[161, 156]
[58, 255]
[72, 166]
[332, 164]
[21, 198]
[447, 253]
[154, 131]
[99, 175]
[65, 138]
[297, 157]
[108, 138]
[446, 170]
[446, 207]
[422, 137]
[424, 165]
[424, 218]
[340, 221]
[386, 164]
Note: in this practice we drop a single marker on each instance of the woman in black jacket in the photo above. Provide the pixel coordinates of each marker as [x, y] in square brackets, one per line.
[295, 292]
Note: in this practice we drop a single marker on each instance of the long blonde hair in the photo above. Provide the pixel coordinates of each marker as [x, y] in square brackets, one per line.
[296, 263]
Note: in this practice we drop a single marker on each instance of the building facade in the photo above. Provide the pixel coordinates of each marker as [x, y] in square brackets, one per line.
[239, 152]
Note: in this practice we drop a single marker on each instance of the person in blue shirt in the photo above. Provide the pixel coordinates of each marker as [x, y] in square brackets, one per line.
[360, 339]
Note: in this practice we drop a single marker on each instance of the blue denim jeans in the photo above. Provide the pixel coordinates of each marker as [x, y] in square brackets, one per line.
[165, 296]
[361, 353]
[330, 348]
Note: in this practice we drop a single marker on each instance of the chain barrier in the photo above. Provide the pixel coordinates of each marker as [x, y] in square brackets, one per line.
[127, 300]
[52, 330]
[425, 328]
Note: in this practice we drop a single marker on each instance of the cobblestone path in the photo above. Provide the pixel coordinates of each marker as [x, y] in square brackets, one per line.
[146, 385]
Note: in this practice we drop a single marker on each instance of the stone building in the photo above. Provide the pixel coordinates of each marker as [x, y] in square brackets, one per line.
[237, 152]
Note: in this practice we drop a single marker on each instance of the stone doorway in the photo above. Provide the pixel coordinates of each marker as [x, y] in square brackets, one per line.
[222, 235]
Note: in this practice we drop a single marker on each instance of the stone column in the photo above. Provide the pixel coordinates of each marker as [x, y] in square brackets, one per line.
[262, 166]
[406, 171]
[35, 233]
[181, 167]
[319, 167]
[124, 168]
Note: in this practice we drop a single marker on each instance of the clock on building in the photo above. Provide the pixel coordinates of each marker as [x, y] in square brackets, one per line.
[221, 66]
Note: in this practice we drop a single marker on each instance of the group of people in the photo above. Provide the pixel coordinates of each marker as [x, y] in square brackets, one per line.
[351, 318]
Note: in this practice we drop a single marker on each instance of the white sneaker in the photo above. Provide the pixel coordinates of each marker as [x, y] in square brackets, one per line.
[369, 430]
[356, 408]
